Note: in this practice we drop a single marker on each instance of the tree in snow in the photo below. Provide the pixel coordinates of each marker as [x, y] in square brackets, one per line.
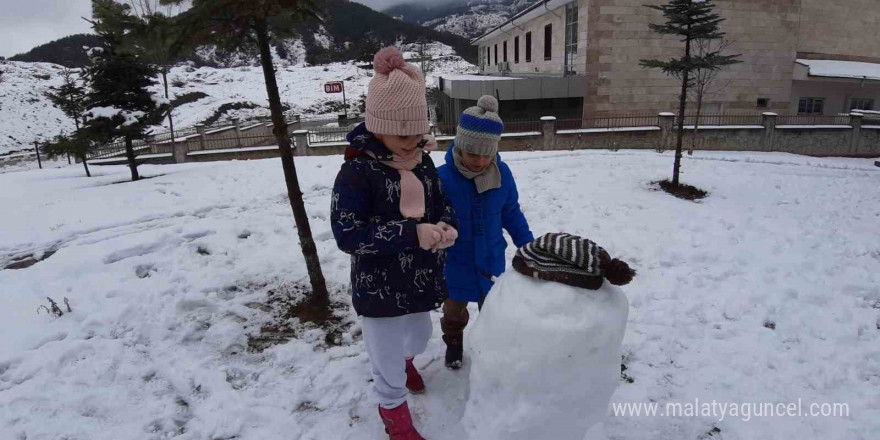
[706, 81]
[119, 102]
[235, 24]
[148, 31]
[70, 98]
[78, 144]
[691, 20]
[426, 56]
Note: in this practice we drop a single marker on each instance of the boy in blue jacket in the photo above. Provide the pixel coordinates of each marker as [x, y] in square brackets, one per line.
[482, 190]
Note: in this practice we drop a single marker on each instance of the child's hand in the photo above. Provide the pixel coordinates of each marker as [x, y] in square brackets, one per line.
[429, 235]
[449, 236]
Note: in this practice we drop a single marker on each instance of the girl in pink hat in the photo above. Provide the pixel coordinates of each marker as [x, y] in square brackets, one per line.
[390, 213]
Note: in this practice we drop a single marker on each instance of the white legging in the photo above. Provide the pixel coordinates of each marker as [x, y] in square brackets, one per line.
[390, 341]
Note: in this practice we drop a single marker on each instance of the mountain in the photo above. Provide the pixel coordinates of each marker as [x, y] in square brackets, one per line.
[203, 94]
[349, 31]
[467, 18]
[67, 51]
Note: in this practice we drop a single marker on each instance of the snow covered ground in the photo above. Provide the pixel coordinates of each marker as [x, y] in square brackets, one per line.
[167, 278]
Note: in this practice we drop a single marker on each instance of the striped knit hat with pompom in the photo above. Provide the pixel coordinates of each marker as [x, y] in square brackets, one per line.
[571, 260]
[480, 128]
[396, 103]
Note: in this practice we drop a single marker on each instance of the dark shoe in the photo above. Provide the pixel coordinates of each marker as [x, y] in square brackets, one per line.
[454, 353]
[398, 423]
[414, 382]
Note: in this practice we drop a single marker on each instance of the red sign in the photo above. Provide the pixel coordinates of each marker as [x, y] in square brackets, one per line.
[333, 87]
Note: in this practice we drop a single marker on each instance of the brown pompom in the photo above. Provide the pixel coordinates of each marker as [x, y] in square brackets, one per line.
[618, 272]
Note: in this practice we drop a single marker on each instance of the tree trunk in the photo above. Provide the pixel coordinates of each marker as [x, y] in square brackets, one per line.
[170, 107]
[86, 166]
[682, 105]
[319, 296]
[129, 155]
[699, 112]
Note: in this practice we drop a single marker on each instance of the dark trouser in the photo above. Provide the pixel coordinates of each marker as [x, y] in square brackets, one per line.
[454, 320]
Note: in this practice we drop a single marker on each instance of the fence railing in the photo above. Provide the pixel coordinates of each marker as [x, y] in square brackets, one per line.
[256, 133]
[724, 119]
[842, 119]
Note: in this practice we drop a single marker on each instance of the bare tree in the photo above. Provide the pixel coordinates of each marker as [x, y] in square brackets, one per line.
[706, 81]
[426, 56]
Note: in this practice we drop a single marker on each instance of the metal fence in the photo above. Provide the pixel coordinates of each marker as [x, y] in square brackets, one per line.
[841, 119]
[259, 132]
[328, 134]
[626, 120]
[724, 119]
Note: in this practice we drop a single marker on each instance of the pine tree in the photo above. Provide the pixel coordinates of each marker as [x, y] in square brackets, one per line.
[70, 97]
[691, 20]
[77, 144]
[235, 24]
[148, 32]
[120, 104]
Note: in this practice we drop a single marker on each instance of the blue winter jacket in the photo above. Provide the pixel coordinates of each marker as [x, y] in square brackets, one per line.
[478, 254]
[390, 274]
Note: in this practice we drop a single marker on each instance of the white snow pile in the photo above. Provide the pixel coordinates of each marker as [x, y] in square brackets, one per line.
[842, 69]
[26, 115]
[766, 291]
[545, 359]
[129, 117]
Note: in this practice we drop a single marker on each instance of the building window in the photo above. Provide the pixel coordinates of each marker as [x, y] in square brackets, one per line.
[811, 106]
[505, 51]
[763, 102]
[488, 57]
[516, 50]
[548, 41]
[861, 104]
[528, 47]
[496, 53]
[571, 37]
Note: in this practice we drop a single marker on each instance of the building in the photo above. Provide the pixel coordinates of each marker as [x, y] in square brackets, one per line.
[580, 59]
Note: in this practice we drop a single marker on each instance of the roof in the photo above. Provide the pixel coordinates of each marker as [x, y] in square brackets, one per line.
[463, 77]
[842, 69]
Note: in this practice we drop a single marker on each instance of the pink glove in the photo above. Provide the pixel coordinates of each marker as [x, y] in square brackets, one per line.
[429, 235]
[449, 236]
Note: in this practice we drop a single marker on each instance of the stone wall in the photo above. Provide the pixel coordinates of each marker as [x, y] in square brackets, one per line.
[840, 29]
[764, 32]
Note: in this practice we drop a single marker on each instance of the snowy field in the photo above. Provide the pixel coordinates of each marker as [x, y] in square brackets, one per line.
[167, 278]
[26, 115]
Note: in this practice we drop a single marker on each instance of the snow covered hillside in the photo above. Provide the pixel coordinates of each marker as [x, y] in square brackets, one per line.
[767, 291]
[25, 113]
[207, 93]
[469, 18]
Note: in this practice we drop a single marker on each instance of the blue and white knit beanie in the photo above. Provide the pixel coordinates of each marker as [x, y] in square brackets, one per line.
[480, 128]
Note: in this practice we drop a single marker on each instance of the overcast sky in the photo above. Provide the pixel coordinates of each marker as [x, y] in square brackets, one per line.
[25, 24]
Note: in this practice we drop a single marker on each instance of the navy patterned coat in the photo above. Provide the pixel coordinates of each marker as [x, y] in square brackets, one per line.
[390, 274]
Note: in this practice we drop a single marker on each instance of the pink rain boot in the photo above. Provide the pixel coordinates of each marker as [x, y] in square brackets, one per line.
[398, 423]
[414, 382]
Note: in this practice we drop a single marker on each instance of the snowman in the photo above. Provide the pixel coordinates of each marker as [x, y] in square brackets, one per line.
[545, 350]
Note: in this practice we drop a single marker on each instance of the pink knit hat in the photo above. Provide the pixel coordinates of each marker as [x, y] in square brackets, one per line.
[396, 102]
